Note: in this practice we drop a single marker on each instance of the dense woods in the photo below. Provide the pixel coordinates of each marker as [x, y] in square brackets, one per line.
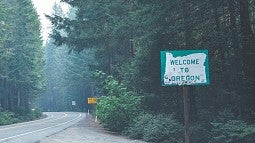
[21, 61]
[110, 49]
[21, 55]
[67, 75]
[127, 36]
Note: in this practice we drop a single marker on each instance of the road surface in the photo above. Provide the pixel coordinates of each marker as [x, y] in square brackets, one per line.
[87, 131]
[34, 131]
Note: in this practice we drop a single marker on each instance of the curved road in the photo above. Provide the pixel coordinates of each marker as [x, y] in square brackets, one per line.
[31, 132]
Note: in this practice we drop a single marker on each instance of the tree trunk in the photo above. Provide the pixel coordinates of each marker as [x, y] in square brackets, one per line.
[236, 62]
[10, 101]
[217, 74]
[248, 54]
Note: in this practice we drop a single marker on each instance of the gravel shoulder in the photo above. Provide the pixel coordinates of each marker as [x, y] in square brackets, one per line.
[87, 131]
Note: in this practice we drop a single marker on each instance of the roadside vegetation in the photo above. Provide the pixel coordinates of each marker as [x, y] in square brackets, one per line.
[21, 61]
[125, 38]
[121, 111]
[8, 117]
[111, 50]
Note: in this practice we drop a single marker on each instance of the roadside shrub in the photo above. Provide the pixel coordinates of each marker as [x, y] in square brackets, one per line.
[136, 128]
[164, 129]
[226, 128]
[230, 131]
[200, 127]
[34, 114]
[157, 129]
[27, 115]
[119, 107]
[200, 132]
[116, 112]
[7, 118]
[37, 113]
[21, 113]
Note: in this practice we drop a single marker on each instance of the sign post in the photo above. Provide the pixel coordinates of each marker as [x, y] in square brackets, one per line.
[92, 101]
[185, 90]
[73, 105]
[184, 68]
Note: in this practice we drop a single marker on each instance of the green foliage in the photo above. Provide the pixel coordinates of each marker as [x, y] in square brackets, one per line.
[68, 78]
[113, 88]
[35, 113]
[200, 132]
[21, 55]
[3, 25]
[156, 129]
[21, 115]
[136, 129]
[164, 129]
[232, 130]
[127, 37]
[159, 128]
[116, 112]
[27, 115]
[7, 118]
[117, 109]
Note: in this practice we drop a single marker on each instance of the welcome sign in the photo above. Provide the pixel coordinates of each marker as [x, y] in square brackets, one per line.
[184, 67]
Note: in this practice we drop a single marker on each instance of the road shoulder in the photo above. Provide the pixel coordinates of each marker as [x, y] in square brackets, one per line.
[87, 131]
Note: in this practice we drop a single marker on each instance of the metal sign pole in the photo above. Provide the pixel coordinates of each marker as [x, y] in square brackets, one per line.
[185, 90]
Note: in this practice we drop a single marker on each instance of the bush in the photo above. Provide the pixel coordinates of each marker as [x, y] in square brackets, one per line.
[7, 118]
[34, 114]
[136, 128]
[119, 107]
[158, 129]
[27, 115]
[116, 113]
[200, 132]
[164, 129]
[232, 130]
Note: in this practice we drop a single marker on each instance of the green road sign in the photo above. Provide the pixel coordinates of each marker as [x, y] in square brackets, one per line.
[184, 67]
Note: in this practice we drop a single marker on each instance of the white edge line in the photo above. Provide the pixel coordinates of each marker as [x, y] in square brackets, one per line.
[31, 122]
[39, 129]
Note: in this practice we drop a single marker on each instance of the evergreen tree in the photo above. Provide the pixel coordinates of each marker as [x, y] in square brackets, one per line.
[67, 75]
[128, 35]
[24, 62]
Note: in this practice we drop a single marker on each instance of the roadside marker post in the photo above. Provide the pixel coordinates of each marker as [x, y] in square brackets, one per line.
[96, 119]
[185, 68]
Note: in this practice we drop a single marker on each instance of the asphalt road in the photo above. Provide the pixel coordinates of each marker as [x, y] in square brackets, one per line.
[34, 131]
[87, 131]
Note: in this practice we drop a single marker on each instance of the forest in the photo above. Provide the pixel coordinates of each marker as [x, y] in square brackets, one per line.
[110, 49]
[21, 60]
